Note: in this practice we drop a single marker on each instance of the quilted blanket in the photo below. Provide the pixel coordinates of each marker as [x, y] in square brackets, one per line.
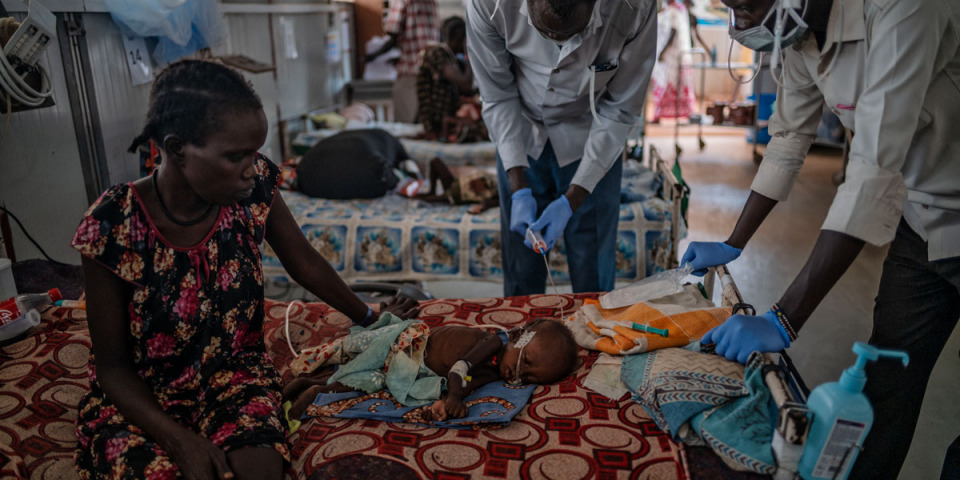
[397, 238]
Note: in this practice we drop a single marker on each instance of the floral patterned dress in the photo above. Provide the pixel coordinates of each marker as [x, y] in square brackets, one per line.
[196, 322]
[437, 97]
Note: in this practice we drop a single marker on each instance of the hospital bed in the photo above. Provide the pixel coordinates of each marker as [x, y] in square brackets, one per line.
[400, 239]
[422, 151]
[566, 430]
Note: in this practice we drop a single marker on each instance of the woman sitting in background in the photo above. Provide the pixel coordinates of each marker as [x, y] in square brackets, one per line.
[445, 77]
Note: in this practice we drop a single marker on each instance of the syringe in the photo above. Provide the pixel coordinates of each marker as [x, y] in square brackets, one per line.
[663, 332]
[536, 241]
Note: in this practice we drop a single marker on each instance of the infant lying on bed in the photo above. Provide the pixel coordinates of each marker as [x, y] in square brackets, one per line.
[541, 352]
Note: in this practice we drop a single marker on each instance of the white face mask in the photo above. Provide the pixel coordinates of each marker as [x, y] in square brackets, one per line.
[759, 38]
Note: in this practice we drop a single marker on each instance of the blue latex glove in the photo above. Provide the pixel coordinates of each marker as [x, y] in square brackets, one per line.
[703, 255]
[742, 335]
[552, 221]
[523, 210]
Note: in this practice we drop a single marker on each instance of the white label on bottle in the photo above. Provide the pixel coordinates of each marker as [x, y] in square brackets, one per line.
[839, 450]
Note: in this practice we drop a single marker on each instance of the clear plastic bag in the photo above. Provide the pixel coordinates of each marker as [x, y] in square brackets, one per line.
[662, 284]
[182, 26]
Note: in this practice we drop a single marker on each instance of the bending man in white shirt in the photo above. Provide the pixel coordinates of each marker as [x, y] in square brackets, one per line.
[543, 67]
[890, 70]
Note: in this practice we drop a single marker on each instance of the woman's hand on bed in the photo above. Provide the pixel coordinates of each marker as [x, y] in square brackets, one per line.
[198, 458]
[404, 307]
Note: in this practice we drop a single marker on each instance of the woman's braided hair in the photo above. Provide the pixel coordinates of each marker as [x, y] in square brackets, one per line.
[189, 98]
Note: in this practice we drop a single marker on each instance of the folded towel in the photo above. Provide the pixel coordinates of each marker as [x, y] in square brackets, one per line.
[703, 398]
[685, 315]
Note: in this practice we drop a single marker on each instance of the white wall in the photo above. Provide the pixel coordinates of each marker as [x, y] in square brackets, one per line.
[41, 180]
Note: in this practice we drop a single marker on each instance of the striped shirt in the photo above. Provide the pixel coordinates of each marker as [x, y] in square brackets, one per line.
[415, 24]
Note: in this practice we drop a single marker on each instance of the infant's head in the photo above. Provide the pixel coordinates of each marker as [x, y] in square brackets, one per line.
[542, 352]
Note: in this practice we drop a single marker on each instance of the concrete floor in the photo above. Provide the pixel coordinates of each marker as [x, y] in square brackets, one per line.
[719, 178]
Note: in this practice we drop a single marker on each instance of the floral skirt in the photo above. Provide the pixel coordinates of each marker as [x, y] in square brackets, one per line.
[237, 409]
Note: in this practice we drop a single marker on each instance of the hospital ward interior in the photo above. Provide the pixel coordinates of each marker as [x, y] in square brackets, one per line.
[472, 239]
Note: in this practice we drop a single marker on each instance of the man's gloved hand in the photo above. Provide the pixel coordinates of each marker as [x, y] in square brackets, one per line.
[742, 335]
[523, 210]
[552, 221]
[703, 255]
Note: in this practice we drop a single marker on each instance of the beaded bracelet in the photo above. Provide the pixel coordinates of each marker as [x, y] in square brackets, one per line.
[784, 321]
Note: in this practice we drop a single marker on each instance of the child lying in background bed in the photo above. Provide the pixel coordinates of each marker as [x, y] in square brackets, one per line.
[541, 352]
[467, 185]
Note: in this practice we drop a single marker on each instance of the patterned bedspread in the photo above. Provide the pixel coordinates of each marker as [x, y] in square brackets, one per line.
[397, 238]
[566, 431]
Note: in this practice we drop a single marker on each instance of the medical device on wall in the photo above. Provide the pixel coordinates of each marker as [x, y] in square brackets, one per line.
[23, 83]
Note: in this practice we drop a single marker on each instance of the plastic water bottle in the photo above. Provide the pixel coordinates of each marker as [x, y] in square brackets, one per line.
[19, 325]
[15, 307]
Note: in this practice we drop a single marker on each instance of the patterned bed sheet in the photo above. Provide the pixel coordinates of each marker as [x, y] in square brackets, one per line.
[399, 239]
[566, 431]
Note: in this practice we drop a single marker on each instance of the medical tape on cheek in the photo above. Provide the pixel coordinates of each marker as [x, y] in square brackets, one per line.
[522, 342]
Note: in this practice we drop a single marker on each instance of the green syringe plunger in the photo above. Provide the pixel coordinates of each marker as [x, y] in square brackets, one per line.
[663, 332]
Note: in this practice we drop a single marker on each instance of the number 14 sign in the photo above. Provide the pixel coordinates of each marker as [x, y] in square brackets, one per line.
[138, 60]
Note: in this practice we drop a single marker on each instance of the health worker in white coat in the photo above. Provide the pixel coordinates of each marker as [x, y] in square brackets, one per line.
[890, 70]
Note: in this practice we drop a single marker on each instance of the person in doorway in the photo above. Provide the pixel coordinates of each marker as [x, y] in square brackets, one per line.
[411, 24]
[443, 78]
[180, 382]
[889, 71]
[672, 79]
[563, 84]
[694, 27]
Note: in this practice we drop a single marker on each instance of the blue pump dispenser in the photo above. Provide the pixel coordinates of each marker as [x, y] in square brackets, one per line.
[842, 417]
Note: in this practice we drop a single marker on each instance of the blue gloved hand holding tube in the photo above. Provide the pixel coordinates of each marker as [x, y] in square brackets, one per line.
[552, 221]
[523, 210]
[703, 255]
[742, 335]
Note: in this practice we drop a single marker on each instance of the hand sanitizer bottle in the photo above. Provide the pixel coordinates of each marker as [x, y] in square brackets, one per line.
[841, 419]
